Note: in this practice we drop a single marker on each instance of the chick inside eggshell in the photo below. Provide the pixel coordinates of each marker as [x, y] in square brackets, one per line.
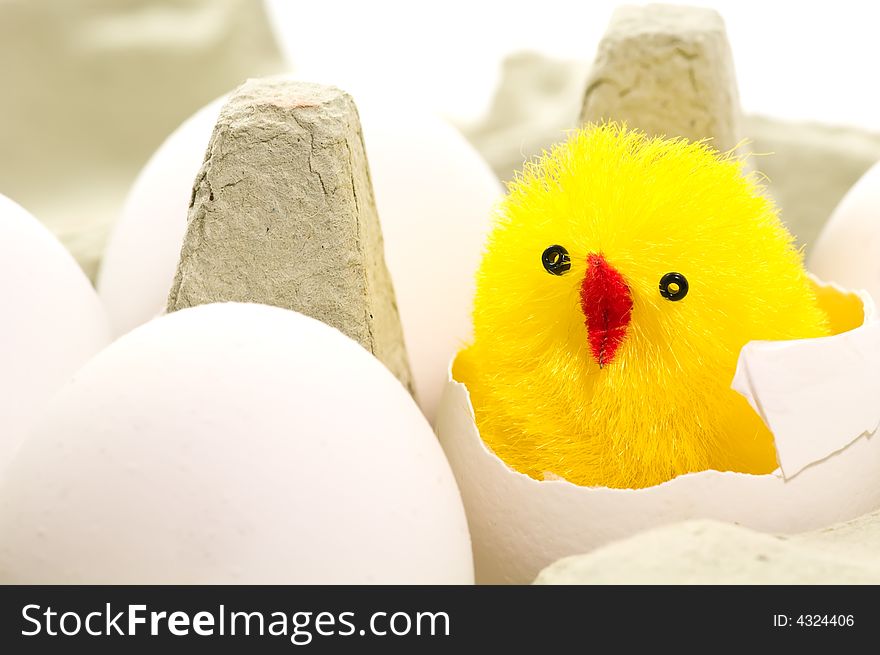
[520, 524]
[623, 277]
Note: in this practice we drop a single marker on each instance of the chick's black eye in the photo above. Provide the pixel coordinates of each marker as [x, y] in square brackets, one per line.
[556, 260]
[673, 286]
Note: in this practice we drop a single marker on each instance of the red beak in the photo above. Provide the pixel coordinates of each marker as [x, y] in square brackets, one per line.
[607, 305]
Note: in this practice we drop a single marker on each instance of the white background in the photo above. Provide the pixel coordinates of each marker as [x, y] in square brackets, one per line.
[798, 60]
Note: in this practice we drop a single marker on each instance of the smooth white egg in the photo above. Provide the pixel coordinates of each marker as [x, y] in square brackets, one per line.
[140, 259]
[233, 443]
[847, 250]
[52, 321]
[435, 195]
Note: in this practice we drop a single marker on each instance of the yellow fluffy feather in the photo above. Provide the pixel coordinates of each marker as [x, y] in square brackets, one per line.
[642, 396]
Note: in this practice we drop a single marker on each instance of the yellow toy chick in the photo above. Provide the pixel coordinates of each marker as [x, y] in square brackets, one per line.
[622, 278]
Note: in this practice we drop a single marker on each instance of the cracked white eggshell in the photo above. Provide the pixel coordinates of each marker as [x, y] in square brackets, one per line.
[233, 443]
[520, 525]
[52, 321]
[847, 250]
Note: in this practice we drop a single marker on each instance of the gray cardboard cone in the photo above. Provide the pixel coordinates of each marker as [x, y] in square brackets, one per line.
[668, 71]
[283, 214]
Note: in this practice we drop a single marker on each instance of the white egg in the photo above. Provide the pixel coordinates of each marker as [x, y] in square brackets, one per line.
[141, 256]
[847, 250]
[435, 196]
[520, 525]
[52, 321]
[233, 443]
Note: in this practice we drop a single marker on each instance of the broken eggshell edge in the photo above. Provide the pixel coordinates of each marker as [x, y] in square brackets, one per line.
[830, 462]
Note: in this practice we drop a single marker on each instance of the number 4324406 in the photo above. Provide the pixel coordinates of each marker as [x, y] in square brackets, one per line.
[814, 620]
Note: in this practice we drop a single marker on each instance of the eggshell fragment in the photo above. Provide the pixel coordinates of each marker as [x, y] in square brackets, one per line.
[233, 443]
[52, 321]
[816, 395]
[520, 525]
